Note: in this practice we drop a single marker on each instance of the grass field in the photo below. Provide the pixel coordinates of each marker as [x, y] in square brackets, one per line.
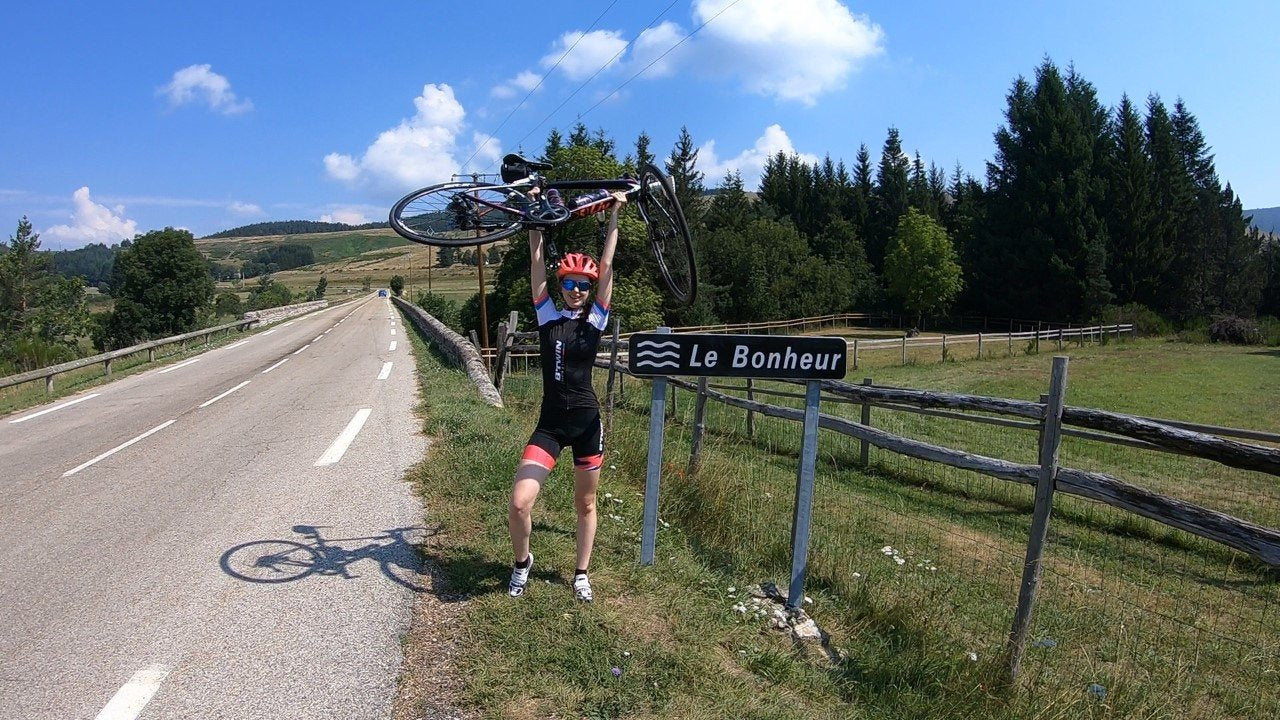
[1133, 620]
[347, 259]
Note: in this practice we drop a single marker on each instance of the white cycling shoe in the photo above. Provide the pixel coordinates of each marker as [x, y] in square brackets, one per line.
[519, 578]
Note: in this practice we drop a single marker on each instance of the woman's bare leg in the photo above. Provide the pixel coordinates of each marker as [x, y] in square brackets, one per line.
[524, 491]
[585, 483]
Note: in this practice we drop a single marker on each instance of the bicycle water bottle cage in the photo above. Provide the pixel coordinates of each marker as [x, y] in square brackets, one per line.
[515, 167]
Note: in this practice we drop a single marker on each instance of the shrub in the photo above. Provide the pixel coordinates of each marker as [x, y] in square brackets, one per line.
[441, 307]
[228, 303]
[1147, 321]
[1270, 328]
[1235, 330]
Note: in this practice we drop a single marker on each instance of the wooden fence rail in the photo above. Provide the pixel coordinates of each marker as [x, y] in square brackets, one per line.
[1257, 541]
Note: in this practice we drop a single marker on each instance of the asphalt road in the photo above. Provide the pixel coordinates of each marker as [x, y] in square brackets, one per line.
[232, 558]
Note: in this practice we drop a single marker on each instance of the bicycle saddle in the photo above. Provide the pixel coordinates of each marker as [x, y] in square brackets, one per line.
[515, 167]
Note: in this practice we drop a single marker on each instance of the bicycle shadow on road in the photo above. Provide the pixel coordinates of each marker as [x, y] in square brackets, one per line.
[399, 554]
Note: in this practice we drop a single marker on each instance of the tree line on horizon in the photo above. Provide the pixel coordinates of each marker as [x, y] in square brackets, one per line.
[1085, 212]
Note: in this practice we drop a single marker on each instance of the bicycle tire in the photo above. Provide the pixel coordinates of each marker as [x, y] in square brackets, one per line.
[668, 234]
[270, 561]
[441, 215]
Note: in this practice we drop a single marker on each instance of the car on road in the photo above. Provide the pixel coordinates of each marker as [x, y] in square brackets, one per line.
[382, 293]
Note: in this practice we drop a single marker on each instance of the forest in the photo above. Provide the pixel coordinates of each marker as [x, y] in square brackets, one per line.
[1084, 212]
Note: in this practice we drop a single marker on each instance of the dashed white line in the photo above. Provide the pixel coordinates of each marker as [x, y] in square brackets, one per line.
[207, 403]
[393, 331]
[179, 365]
[318, 337]
[304, 347]
[339, 446]
[393, 346]
[235, 345]
[118, 448]
[386, 371]
[269, 332]
[289, 323]
[130, 699]
[273, 367]
[55, 407]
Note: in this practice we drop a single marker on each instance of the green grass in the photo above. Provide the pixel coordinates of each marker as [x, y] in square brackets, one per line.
[1171, 626]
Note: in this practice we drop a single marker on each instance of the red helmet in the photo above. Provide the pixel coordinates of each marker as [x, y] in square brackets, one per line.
[578, 264]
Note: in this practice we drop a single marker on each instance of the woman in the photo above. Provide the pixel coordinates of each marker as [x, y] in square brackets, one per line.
[570, 410]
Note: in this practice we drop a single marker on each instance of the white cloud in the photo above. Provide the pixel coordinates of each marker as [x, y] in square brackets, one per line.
[521, 83]
[750, 162]
[350, 216]
[650, 46]
[90, 223]
[424, 149]
[246, 209]
[588, 52]
[200, 84]
[795, 50]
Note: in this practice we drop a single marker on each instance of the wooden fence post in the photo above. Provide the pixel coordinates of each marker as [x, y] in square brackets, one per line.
[151, 354]
[751, 415]
[865, 456]
[513, 325]
[1037, 337]
[979, 347]
[904, 349]
[106, 367]
[1010, 343]
[48, 385]
[502, 356]
[1050, 439]
[613, 369]
[699, 426]
[855, 353]
[944, 348]
[1059, 338]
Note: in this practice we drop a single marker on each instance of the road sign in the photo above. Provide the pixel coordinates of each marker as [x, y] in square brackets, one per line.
[754, 356]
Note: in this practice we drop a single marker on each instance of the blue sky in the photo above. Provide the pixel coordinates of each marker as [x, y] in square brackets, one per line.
[125, 117]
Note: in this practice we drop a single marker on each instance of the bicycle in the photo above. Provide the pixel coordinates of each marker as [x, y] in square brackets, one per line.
[474, 213]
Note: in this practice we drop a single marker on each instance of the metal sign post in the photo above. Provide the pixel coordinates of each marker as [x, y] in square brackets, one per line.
[804, 495]
[661, 354]
[653, 471]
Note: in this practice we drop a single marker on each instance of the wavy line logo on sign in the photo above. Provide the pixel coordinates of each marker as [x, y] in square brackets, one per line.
[651, 354]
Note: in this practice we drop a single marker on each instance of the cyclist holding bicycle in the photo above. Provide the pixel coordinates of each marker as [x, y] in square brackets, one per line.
[570, 413]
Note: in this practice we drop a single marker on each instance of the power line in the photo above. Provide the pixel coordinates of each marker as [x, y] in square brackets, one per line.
[541, 80]
[610, 62]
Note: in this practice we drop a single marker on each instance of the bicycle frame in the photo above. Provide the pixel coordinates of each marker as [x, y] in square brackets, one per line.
[519, 188]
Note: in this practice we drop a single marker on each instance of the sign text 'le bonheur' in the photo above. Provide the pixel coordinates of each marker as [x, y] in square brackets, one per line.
[758, 356]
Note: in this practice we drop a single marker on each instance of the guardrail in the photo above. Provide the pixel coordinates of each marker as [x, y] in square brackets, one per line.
[105, 359]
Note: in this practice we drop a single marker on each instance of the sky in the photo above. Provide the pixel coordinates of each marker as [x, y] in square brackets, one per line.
[125, 117]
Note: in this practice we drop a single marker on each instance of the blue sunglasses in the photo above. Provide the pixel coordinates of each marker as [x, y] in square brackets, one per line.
[581, 285]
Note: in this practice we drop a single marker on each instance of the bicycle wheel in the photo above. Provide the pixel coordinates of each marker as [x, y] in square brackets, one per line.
[270, 561]
[456, 213]
[668, 234]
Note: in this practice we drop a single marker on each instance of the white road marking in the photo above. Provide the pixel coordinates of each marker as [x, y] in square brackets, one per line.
[289, 323]
[393, 346]
[269, 332]
[393, 331]
[304, 347]
[318, 337]
[207, 403]
[179, 365]
[55, 407]
[273, 367]
[129, 700]
[235, 345]
[339, 446]
[118, 448]
[386, 371]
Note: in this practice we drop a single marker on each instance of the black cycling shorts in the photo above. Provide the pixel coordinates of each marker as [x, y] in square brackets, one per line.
[579, 429]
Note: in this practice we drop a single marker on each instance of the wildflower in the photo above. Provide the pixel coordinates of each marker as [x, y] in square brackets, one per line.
[973, 656]
[733, 589]
[617, 672]
[608, 495]
[1097, 691]
[626, 653]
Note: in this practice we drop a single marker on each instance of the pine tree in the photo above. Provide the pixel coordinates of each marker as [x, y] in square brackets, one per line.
[643, 155]
[1172, 204]
[554, 143]
[682, 166]
[859, 210]
[730, 207]
[1138, 259]
[579, 137]
[889, 198]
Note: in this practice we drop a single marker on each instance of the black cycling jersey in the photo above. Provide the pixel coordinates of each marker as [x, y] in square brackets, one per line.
[568, 344]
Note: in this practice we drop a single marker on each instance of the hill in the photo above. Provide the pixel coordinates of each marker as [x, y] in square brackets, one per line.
[328, 247]
[292, 227]
[1265, 219]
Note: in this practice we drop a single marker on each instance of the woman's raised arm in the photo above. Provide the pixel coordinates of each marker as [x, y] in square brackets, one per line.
[604, 288]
